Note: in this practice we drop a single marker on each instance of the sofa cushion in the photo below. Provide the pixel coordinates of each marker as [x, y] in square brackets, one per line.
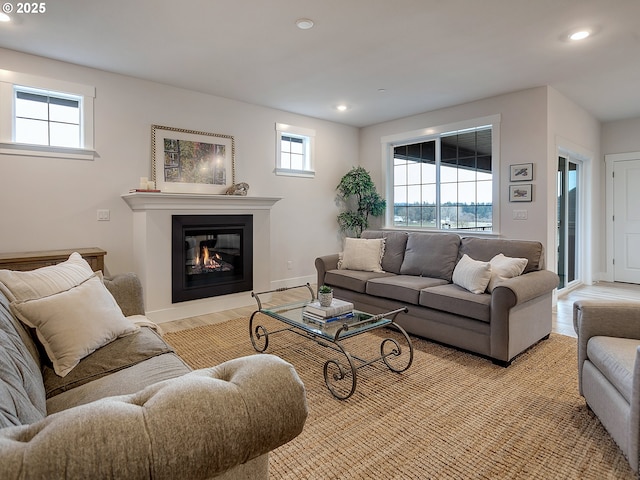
[431, 255]
[485, 249]
[73, 323]
[614, 358]
[21, 389]
[505, 267]
[362, 254]
[472, 275]
[403, 288]
[117, 355]
[454, 299]
[123, 382]
[354, 280]
[394, 247]
[22, 395]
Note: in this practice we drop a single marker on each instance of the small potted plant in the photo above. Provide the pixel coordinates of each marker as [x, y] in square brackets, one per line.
[325, 295]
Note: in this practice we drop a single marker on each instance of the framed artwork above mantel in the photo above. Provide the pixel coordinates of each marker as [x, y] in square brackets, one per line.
[190, 161]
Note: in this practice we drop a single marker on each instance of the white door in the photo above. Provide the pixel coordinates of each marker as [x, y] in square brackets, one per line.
[626, 224]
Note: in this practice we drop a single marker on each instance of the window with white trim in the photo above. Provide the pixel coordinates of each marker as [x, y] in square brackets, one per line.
[45, 117]
[294, 151]
[446, 180]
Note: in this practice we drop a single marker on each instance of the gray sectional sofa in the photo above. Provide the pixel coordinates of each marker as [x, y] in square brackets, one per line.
[417, 270]
[133, 409]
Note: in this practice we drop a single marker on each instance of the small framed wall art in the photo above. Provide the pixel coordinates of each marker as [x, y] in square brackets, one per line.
[520, 193]
[522, 172]
[188, 161]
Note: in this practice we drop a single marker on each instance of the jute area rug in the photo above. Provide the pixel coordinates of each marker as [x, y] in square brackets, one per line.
[452, 415]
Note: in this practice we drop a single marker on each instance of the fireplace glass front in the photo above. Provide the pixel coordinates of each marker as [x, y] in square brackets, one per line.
[211, 255]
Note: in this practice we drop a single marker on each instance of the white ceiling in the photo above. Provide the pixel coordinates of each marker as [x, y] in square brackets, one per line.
[425, 54]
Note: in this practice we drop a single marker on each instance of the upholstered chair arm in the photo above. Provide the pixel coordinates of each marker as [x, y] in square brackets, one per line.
[195, 426]
[324, 264]
[523, 288]
[127, 290]
[634, 417]
[608, 318]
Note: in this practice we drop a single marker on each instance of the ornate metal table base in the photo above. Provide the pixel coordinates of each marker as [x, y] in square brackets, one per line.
[340, 375]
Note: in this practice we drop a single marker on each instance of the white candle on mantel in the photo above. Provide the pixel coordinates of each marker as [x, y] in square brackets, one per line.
[144, 183]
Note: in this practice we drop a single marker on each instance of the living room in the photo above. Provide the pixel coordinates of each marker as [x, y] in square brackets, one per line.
[52, 202]
[535, 123]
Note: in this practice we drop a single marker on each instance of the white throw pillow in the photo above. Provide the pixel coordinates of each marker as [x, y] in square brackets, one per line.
[45, 281]
[74, 323]
[362, 254]
[505, 267]
[472, 275]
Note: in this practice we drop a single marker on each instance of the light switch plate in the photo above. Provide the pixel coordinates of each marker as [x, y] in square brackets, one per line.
[520, 214]
[104, 215]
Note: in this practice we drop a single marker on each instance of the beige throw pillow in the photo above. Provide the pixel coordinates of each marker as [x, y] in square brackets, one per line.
[363, 254]
[472, 275]
[505, 267]
[45, 281]
[74, 323]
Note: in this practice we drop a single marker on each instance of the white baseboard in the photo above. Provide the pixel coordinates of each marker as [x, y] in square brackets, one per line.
[194, 308]
[293, 282]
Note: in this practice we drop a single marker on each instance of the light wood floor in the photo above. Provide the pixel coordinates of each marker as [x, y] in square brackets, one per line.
[562, 314]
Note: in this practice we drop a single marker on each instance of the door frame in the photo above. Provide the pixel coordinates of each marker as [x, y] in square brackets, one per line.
[610, 161]
[582, 246]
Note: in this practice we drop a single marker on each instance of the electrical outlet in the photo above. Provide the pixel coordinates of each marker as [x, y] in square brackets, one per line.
[104, 215]
[520, 214]
[289, 264]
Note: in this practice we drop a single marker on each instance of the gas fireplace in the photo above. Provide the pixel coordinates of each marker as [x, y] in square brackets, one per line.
[211, 255]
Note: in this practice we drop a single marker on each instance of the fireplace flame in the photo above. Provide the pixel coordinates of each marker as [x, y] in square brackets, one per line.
[207, 261]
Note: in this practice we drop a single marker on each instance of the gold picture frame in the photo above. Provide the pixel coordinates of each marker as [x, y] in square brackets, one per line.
[190, 161]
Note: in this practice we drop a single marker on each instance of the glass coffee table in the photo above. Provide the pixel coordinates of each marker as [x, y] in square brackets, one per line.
[340, 377]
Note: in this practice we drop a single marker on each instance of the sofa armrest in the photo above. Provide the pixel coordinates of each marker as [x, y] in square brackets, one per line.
[195, 426]
[127, 290]
[324, 264]
[525, 287]
[608, 318]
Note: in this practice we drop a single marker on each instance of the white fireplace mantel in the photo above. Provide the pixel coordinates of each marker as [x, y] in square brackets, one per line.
[141, 201]
[152, 214]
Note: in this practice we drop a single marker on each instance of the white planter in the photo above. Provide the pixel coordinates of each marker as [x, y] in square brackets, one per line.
[325, 299]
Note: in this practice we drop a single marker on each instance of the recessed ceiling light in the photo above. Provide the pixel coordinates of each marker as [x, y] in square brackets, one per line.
[579, 35]
[4, 17]
[342, 108]
[304, 23]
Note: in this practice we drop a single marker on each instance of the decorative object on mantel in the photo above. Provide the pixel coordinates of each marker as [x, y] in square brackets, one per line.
[189, 161]
[238, 189]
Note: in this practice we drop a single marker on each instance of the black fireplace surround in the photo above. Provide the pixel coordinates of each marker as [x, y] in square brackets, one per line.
[211, 255]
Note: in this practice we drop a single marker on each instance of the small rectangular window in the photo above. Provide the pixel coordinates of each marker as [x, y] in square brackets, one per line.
[294, 152]
[47, 118]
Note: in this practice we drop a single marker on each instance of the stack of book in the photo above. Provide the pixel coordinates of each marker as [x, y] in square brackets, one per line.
[338, 311]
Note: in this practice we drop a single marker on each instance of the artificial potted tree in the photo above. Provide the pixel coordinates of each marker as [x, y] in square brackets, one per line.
[358, 192]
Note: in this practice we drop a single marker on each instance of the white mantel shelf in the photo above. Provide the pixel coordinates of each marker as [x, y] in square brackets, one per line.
[144, 201]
